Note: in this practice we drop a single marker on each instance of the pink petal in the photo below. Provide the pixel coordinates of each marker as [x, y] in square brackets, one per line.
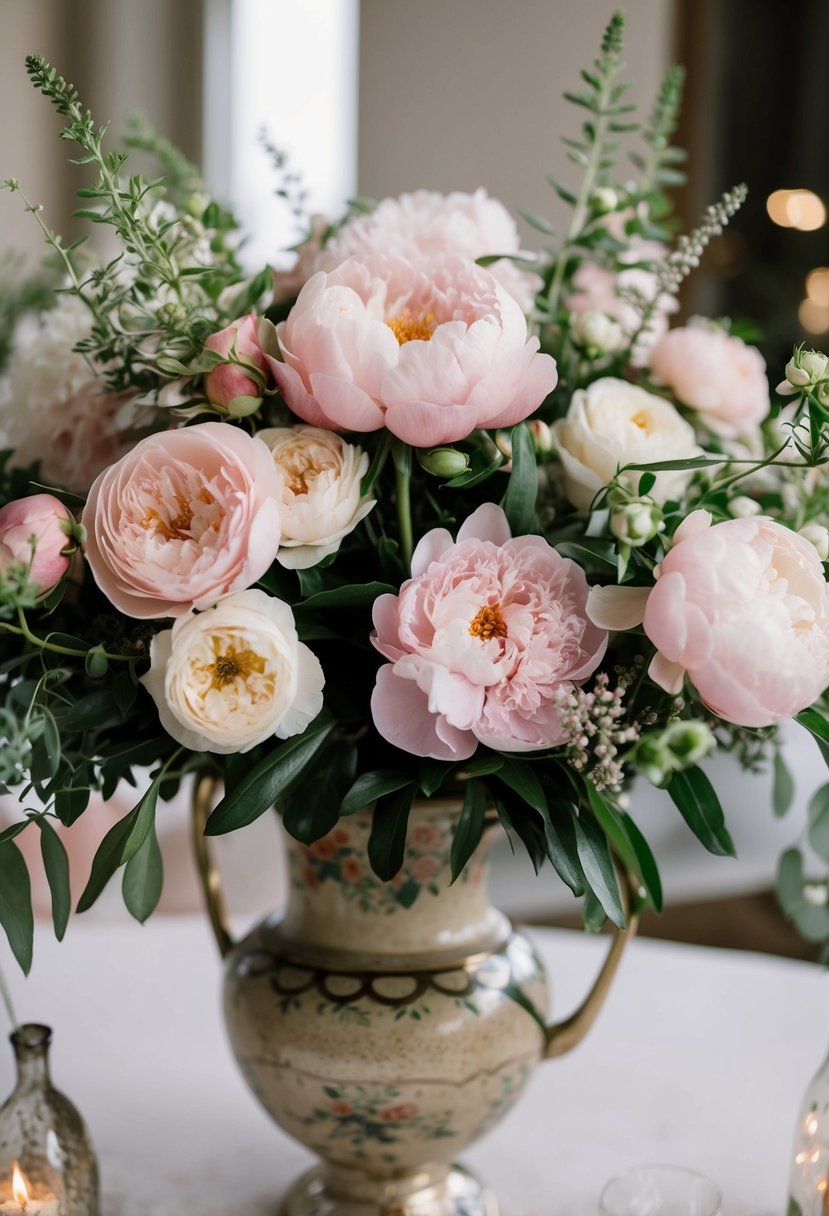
[488, 522]
[401, 715]
[666, 674]
[617, 608]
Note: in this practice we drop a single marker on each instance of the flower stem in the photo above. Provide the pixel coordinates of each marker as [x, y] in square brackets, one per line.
[23, 630]
[402, 482]
[5, 996]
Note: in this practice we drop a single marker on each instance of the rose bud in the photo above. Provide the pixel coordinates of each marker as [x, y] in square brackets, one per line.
[227, 381]
[33, 534]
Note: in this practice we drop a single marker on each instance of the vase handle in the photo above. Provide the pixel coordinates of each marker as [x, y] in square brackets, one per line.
[564, 1036]
[209, 876]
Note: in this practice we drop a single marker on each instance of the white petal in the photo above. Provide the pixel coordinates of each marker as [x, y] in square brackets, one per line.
[617, 608]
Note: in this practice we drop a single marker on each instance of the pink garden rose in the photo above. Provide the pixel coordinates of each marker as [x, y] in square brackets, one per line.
[31, 535]
[481, 641]
[229, 380]
[426, 223]
[715, 374]
[743, 607]
[183, 520]
[431, 352]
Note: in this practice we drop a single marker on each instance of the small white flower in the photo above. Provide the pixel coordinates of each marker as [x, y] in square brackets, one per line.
[604, 199]
[228, 678]
[636, 521]
[596, 332]
[818, 536]
[321, 502]
[806, 369]
[742, 507]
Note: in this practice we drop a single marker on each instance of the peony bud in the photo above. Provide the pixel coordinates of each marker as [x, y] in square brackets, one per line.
[660, 754]
[238, 343]
[32, 535]
[541, 436]
[805, 370]
[818, 536]
[596, 332]
[742, 507]
[604, 199]
[636, 521]
[444, 462]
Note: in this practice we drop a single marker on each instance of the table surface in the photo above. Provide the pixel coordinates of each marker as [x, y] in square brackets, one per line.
[699, 1058]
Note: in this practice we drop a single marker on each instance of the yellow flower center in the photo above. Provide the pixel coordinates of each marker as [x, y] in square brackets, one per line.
[234, 665]
[408, 328]
[302, 468]
[179, 527]
[642, 419]
[488, 623]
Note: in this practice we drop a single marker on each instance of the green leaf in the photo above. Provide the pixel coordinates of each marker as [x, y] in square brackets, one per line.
[479, 470]
[694, 797]
[819, 822]
[646, 483]
[593, 555]
[45, 749]
[387, 842]
[108, 858]
[664, 466]
[485, 764]
[311, 810]
[16, 915]
[56, 864]
[469, 828]
[521, 778]
[562, 848]
[782, 786]
[528, 828]
[370, 786]
[144, 879]
[818, 727]
[596, 862]
[349, 597]
[273, 776]
[522, 488]
[564, 193]
[647, 868]
[144, 822]
[537, 221]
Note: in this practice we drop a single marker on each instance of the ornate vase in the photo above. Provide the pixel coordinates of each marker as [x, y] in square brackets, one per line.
[386, 1026]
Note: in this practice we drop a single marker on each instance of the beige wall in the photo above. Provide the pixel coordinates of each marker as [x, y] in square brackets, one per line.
[123, 56]
[456, 94]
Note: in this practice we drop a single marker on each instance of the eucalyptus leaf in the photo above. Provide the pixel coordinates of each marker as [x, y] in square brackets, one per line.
[269, 779]
[56, 865]
[143, 879]
[782, 785]
[697, 803]
[16, 915]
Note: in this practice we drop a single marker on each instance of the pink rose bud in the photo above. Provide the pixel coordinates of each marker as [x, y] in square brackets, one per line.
[228, 380]
[31, 534]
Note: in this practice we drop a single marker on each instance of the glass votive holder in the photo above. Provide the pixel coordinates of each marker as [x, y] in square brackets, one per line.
[660, 1190]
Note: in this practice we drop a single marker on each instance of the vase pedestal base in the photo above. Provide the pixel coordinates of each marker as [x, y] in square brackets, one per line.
[433, 1191]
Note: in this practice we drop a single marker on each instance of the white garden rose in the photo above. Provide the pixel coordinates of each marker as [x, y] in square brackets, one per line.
[321, 502]
[228, 678]
[611, 424]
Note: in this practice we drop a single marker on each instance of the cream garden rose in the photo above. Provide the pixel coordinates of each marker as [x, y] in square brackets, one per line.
[321, 503]
[234, 676]
[611, 424]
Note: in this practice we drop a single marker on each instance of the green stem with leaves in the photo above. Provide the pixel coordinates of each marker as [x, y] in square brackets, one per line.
[71, 652]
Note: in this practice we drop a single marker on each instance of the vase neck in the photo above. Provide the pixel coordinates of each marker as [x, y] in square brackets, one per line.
[337, 903]
[31, 1052]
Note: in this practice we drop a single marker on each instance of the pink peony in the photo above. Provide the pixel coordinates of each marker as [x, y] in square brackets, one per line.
[31, 535]
[183, 520]
[430, 352]
[716, 374]
[743, 607]
[239, 340]
[481, 641]
[426, 223]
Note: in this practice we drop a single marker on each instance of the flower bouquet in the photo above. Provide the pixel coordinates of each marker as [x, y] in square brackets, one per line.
[429, 515]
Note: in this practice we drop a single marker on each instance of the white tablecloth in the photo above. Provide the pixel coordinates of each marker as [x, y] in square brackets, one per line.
[699, 1058]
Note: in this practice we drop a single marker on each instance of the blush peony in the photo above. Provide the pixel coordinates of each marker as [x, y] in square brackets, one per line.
[183, 520]
[431, 352]
[743, 607]
[31, 535]
[481, 642]
[321, 502]
[425, 223]
[611, 424]
[229, 678]
[717, 375]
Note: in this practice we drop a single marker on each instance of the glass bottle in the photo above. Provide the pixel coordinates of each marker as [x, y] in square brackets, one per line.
[47, 1165]
[809, 1178]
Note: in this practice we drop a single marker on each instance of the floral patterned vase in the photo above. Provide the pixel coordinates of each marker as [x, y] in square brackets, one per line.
[388, 1025]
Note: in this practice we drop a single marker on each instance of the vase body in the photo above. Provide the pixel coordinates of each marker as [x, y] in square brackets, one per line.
[46, 1159]
[809, 1178]
[386, 1025]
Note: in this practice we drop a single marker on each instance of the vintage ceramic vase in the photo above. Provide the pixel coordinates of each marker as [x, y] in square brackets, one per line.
[388, 1025]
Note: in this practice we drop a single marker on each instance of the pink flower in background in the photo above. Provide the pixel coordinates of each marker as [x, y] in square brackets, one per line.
[183, 520]
[425, 223]
[743, 607]
[431, 352]
[716, 374]
[228, 380]
[598, 289]
[31, 535]
[481, 641]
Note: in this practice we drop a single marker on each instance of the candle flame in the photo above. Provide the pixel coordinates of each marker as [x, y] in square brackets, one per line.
[19, 1188]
